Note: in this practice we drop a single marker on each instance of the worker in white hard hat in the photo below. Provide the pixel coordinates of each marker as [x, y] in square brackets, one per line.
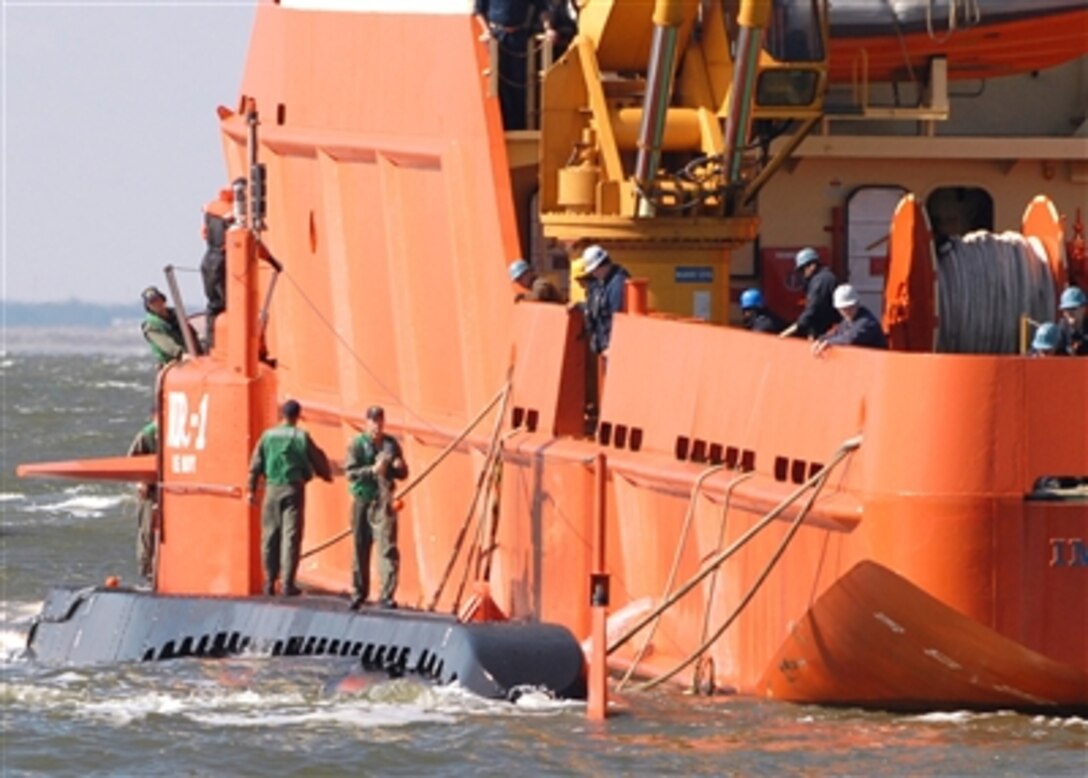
[859, 327]
[608, 296]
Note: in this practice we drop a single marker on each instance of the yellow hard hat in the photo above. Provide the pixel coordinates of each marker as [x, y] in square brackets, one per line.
[578, 268]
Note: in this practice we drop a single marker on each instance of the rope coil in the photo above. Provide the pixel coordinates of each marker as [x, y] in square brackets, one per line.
[986, 283]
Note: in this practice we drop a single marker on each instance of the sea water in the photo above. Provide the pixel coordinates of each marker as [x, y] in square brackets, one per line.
[86, 394]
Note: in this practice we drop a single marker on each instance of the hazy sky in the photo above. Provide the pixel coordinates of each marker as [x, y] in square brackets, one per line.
[110, 141]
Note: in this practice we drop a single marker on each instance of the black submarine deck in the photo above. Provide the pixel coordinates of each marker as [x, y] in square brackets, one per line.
[98, 625]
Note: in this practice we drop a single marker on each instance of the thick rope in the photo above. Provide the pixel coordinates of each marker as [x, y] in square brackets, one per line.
[680, 543]
[986, 283]
[425, 472]
[755, 587]
[472, 559]
[718, 559]
[475, 499]
[721, 539]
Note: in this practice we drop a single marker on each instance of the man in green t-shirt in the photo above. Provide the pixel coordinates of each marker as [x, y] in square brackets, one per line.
[374, 463]
[287, 458]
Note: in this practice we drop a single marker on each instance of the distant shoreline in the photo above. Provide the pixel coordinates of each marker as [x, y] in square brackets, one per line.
[69, 313]
[120, 339]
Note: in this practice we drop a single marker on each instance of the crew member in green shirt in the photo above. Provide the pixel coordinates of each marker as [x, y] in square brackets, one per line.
[287, 458]
[374, 463]
[161, 327]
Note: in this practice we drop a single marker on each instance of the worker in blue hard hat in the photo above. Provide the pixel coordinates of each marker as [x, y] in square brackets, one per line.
[859, 327]
[1046, 340]
[533, 287]
[756, 316]
[1072, 329]
[819, 284]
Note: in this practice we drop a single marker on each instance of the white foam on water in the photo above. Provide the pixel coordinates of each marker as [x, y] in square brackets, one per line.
[87, 506]
[1072, 722]
[11, 496]
[198, 706]
[351, 714]
[121, 385]
[960, 716]
[15, 620]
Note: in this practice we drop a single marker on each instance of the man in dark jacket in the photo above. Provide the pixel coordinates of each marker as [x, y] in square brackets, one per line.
[218, 217]
[858, 326]
[819, 314]
[756, 316]
[607, 296]
[374, 464]
[509, 23]
[1072, 326]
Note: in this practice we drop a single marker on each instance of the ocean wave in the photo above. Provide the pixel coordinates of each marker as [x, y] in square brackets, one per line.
[86, 506]
[139, 387]
[11, 496]
[15, 621]
[960, 716]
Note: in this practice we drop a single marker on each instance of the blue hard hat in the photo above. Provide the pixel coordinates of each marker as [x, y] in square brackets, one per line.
[517, 268]
[1073, 297]
[1046, 337]
[804, 256]
[751, 298]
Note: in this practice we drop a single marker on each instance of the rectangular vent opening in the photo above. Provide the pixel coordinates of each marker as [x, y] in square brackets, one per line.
[698, 451]
[682, 445]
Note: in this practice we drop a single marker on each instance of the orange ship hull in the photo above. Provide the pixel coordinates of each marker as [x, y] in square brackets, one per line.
[922, 575]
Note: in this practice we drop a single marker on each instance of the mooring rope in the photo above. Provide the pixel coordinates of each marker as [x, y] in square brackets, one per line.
[986, 283]
[493, 450]
[677, 554]
[720, 558]
[502, 393]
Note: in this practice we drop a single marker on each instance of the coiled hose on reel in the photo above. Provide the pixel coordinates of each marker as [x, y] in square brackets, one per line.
[985, 283]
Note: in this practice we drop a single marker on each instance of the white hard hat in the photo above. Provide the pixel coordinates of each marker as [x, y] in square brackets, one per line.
[594, 256]
[845, 296]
